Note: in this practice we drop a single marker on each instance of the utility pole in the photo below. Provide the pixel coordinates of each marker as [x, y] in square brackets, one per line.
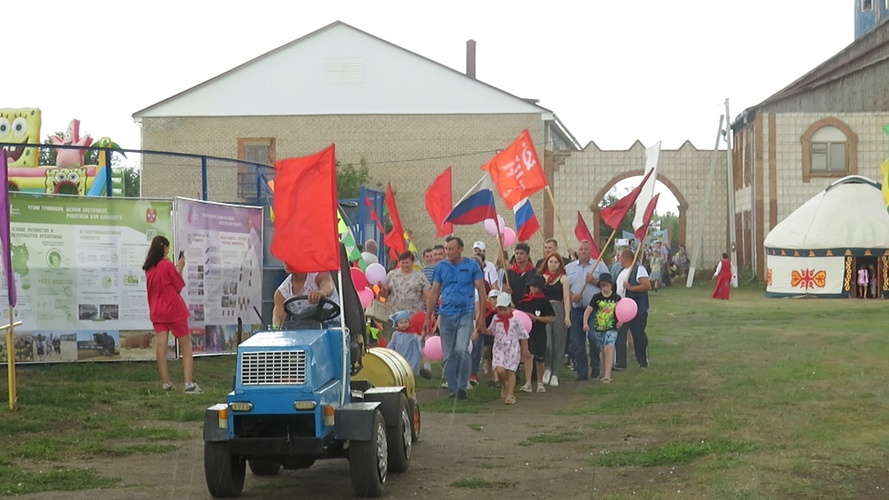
[730, 180]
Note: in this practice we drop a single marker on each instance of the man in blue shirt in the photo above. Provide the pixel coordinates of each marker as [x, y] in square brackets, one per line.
[583, 279]
[454, 279]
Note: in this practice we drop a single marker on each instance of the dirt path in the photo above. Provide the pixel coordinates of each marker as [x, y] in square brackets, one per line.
[453, 447]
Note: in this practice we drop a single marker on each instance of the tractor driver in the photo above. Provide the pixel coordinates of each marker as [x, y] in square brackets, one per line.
[313, 285]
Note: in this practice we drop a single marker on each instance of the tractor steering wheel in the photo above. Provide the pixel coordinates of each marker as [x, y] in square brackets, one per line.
[316, 312]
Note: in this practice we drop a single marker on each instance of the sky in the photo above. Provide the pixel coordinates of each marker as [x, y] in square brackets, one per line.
[612, 71]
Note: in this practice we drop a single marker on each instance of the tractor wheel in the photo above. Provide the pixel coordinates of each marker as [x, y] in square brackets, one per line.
[400, 438]
[415, 421]
[223, 472]
[260, 467]
[369, 461]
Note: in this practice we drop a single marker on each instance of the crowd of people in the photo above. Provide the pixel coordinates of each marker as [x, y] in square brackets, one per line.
[471, 303]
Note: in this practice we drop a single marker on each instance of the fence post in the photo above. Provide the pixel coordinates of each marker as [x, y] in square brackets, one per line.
[109, 190]
[204, 194]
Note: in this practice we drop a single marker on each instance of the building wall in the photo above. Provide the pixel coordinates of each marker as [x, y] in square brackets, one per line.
[585, 176]
[407, 150]
[771, 167]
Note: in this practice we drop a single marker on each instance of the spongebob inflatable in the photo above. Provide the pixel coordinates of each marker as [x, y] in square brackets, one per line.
[69, 175]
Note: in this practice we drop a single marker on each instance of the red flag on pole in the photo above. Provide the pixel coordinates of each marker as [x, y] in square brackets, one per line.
[517, 171]
[373, 215]
[394, 239]
[616, 213]
[646, 218]
[305, 204]
[439, 200]
[583, 234]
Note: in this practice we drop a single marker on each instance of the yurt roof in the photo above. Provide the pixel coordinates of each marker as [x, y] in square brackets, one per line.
[849, 213]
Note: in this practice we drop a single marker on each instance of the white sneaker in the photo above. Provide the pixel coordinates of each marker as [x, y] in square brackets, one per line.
[444, 385]
[546, 376]
[554, 381]
[541, 387]
[526, 387]
[192, 389]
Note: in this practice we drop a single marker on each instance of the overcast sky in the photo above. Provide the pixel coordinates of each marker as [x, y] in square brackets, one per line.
[613, 71]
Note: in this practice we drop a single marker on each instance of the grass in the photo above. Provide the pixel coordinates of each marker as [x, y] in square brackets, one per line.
[71, 412]
[750, 398]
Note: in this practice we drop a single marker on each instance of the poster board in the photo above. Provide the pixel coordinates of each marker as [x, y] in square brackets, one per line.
[77, 263]
[223, 249]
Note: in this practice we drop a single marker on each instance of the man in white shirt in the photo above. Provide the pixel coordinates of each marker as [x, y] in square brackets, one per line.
[636, 287]
[369, 255]
[490, 271]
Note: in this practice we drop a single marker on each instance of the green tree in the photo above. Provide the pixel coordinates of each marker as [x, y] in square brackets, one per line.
[132, 181]
[670, 222]
[350, 178]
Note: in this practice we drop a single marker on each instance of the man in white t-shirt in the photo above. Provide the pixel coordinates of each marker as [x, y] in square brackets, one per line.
[633, 283]
[369, 255]
[490, 271]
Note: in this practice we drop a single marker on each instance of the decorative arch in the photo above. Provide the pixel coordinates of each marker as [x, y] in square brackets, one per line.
[851, 148]
[683, 204]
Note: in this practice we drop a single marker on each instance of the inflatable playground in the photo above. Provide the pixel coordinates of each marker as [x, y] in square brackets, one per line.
[80, 164]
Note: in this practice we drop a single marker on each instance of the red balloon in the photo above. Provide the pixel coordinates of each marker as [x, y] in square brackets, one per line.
[418, 320]
[358, 278]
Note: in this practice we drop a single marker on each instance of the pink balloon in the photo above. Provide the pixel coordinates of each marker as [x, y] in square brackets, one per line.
[491, 227]
[366, 296]
[525, 319]
[626, 310]
[358, 278]
[375, 273]
[432, 349]
[508, 237]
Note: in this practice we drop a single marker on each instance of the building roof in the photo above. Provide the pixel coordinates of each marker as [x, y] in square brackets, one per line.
[341, 70]
[849, 213]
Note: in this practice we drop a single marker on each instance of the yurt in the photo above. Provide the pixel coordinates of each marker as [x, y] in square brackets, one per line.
[822, 248]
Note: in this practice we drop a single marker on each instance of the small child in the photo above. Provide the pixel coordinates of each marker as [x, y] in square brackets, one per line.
[538, 307]
[407, 343]
[510, 346]
[603, 305]
[862, 282]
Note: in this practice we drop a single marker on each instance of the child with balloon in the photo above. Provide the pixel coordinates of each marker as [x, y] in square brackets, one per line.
[406, 342]
[510, 346]
[603, 307]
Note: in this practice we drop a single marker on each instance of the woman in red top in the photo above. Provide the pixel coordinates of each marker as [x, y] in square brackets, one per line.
[723, 277]
[167, 309]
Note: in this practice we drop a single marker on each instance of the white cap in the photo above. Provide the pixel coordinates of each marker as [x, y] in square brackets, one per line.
[493, 293]
[481, 245]
[504, 300]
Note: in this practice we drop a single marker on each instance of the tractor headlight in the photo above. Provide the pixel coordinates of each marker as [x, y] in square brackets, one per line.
[304, 405]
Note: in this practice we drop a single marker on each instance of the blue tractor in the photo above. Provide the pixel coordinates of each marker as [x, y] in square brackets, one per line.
[309, 391]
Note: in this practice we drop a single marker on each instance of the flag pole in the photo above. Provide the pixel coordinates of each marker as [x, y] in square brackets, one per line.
[500, 257]
[639, 250]
[552, 199]
[10, 358]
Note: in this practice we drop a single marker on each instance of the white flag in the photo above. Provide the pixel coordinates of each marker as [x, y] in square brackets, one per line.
[652, 153]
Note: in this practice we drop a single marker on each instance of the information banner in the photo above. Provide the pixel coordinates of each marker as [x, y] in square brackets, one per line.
[222, 245]
[77, 263]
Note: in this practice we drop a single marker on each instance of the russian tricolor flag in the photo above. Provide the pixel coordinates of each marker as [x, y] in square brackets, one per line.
[476, 205]
[525, 221]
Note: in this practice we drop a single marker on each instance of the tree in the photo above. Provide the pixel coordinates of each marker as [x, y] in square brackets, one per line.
[670, 222]
[350, 178]
[132, 181]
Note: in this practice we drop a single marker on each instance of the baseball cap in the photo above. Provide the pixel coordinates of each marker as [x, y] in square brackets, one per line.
[480, 245]
[493, 293]
[504, 300]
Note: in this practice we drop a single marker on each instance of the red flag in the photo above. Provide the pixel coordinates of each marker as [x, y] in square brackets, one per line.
[517, 171]
[583, 234]
[373, 215]
[646, 218]
[615, 214]
[394, 239]
[439, 200]
[305, 205]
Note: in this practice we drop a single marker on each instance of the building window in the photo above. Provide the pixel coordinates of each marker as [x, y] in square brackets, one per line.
[867, 5]
[260, 151]
[829, 149]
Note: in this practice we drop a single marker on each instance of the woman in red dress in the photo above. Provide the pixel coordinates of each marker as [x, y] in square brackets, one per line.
[723, 277]
[167, 309]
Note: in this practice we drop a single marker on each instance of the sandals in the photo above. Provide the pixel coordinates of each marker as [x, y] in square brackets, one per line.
[510, 400]
[606, 380]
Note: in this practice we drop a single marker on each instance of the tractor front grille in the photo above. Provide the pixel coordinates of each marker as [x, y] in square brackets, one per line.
[273, 367]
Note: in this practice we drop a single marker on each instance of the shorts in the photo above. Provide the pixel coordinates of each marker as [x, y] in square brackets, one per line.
[606, 338]
[537, 346]
[178, 328]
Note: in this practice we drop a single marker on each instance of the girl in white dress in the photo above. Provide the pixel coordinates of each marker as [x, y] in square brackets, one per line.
[510, 346]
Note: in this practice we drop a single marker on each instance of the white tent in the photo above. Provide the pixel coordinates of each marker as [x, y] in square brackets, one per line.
[818, 248]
